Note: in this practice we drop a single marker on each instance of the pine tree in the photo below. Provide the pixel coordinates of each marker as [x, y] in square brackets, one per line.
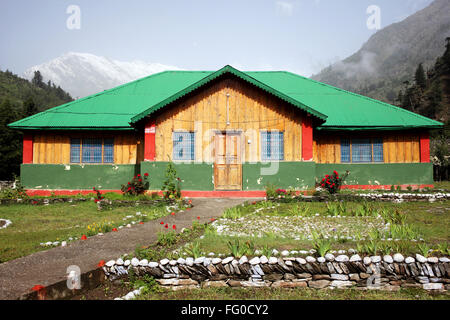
[10, 142]
[38, 79]
[29, 107]
[420, 78]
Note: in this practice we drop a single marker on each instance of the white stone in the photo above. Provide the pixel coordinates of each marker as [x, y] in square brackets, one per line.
[288, 263]
[341, 283]
[227, 260]
[342, 258]
[211, 254]
[388, 259]
[153, 264]
[199, 260]
[274, 252]
[127, 263]
[300, 260]
[310, 259]
[273, 260]
[410, 260]
[55, 243]
[216, 260]
[163, 262]
[234, 263]
[336, 276]
[444, 259]
[243, 260]
[284, 253]
[64, 244]
[355, 258]
[375, 259]
[173, 262]
[367, 260]
[321, 259]
[129, 296]
[433, 286]
[421, 258]
[190, 261]
[329, 257]
[433, 260]
[398, 257]
[110, 263]
[134, 262]
[143, 263]
[254, 261]
[181, 261]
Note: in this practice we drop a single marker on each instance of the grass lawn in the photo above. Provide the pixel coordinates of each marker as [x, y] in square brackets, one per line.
[36, 224]
[290, 294]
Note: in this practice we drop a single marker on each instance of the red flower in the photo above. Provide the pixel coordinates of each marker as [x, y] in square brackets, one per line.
[190, 201]
[166, 226]
[162, 222]
[174, 227]
[37, 287]
[212, 219]
[83, 237]
[114, 229]
[141, 222]
[198, 218]
[129, 183]
[138, 175]
[140, 180]
[93, 188]
[323, 185]
[335, 172]
[146, 174]
[129, 188]
[101, 263]
[173, 213]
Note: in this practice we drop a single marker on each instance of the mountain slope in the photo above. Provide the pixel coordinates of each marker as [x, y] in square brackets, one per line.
[83, 74]
[391, 55]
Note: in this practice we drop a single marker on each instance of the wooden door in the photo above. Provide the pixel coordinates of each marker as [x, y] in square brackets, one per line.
[227, 164]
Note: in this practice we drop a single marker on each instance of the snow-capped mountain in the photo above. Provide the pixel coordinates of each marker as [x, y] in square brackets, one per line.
[82, 74]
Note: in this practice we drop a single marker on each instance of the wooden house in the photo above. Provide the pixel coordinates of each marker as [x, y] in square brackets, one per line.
[228, 132]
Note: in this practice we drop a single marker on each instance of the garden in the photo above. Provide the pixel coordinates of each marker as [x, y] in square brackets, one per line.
[259, 249]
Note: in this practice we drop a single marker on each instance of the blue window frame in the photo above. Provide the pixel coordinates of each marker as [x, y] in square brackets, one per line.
[184, 146]
[75, 148]
[345, 150]
[108, 151]
[378, 150]
[272, 145]
[91, 150]
[363, 150]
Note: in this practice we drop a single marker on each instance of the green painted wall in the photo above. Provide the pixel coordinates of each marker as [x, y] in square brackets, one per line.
[198, 176]
[290, 175]
[55, 176]
[383, 173]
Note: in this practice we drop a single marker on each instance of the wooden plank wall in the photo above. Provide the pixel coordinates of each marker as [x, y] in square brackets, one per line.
[398, 146]
[54, 148]
[250, 110]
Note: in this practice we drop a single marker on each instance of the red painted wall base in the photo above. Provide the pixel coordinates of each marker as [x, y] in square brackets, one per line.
[217, 194]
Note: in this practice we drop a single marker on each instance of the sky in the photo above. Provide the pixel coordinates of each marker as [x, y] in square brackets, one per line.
[301, 36]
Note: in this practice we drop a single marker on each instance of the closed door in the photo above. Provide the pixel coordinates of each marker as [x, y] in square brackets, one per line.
[227, 164]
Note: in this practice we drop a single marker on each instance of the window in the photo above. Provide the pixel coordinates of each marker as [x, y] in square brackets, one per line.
[183, 146]
[91, 150]
[272, 145]
[361, 150]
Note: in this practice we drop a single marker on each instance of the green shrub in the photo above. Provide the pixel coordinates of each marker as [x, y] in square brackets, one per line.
[137, 186]
[172, 185]
[322, 246]
[167, 238]
[332, 183]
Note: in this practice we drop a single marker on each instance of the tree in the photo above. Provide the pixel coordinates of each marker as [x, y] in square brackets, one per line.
[29, 107]
[420, 78]
[38, 79]
[10, 142]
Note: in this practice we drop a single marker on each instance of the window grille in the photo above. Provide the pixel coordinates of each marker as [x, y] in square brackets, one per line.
[108, 151]
[183, 146]
[345, 150]
[75, 148]
[272, 145]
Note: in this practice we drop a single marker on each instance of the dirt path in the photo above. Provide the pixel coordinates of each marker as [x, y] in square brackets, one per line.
[48, 267]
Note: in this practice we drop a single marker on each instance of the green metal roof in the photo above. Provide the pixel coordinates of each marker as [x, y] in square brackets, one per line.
[120, 107]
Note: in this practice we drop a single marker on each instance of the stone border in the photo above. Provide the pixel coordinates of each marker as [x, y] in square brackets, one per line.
[370, 272]
[47, 201]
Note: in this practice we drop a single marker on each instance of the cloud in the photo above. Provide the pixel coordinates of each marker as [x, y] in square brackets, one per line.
[284, 8]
